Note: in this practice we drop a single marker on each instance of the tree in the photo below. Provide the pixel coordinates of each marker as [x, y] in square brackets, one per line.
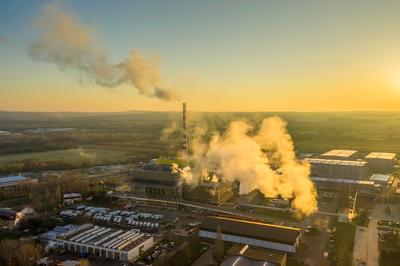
[84, 262]
[19, 253]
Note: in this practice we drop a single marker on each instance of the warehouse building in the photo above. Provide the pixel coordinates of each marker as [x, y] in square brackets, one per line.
[245, 255]
[15, 186]
[262, 235]
[105, 242]
[340, 155]
[381, 160]
[338, 169]
[72, 198]
[337, 184]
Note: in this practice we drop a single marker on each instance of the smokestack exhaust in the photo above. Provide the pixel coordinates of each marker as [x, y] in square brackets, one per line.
[184, 125]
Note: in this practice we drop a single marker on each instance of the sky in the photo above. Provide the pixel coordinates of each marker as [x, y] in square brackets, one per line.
[214, 55]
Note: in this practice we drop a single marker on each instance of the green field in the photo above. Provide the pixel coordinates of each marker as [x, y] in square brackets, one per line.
[68, 155]
[343, 250]
[137, 135]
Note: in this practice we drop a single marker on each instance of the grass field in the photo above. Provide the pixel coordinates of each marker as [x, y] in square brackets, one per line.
[68, 155]
[344, 244]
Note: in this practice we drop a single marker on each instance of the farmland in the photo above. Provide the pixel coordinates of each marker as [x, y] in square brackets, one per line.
[134, 136]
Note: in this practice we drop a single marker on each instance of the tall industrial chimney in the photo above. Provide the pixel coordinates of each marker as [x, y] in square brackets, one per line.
[184, 124]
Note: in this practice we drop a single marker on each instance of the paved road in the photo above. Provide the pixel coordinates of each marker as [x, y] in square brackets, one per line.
[360, 251]
[373, 253]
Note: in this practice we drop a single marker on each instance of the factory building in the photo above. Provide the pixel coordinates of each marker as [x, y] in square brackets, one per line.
[15, 186]
[105, 242]
[338, 169]
[157, 181]
[246, 255]
[338, 184]
[209, 192]
[350, 155]
[381, 160]
[255, 234]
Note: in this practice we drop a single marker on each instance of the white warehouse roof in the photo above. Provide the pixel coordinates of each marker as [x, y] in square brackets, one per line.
[381, 155]
[380, 178]
[339, 153]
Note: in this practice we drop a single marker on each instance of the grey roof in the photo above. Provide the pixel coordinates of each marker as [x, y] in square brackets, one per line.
[344, 181]
[250, 229]
[335, 162]
[9, 179]
[242, 261]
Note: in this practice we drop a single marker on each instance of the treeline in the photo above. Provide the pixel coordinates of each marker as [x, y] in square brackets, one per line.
[34, 165]
[31, 142]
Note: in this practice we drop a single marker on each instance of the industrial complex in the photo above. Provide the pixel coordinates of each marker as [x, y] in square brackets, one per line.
[107, 242]
[153, 216]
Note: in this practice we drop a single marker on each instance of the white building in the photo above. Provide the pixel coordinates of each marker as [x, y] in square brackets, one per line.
[381, 160]
[338, 169]
[106, 242]
[250, 233]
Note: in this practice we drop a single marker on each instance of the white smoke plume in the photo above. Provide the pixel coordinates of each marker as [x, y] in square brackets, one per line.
[20, 215]
[70, 45]
[263, 160]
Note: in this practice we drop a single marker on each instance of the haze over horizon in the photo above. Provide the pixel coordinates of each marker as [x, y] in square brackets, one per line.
[265, 56]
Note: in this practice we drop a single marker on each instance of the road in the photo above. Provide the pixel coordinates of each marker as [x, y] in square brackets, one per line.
[214, 208]
[360, 251]
[373, 252]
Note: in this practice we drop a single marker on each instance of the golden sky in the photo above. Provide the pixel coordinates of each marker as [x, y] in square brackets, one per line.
[217, 55]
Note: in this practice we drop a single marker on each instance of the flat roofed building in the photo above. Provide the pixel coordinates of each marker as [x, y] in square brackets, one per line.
[250, 233]
[243, 255]
[381, 160]
[383, 181]
[338, 169]
[105, 242]
[338, 184]
[15, 186]
[71, 198]
[340, 155]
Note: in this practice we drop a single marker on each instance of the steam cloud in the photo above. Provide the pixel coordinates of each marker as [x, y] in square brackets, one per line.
[265, 160]
[70, 45]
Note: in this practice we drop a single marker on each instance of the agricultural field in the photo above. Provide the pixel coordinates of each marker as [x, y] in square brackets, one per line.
[138, 136]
